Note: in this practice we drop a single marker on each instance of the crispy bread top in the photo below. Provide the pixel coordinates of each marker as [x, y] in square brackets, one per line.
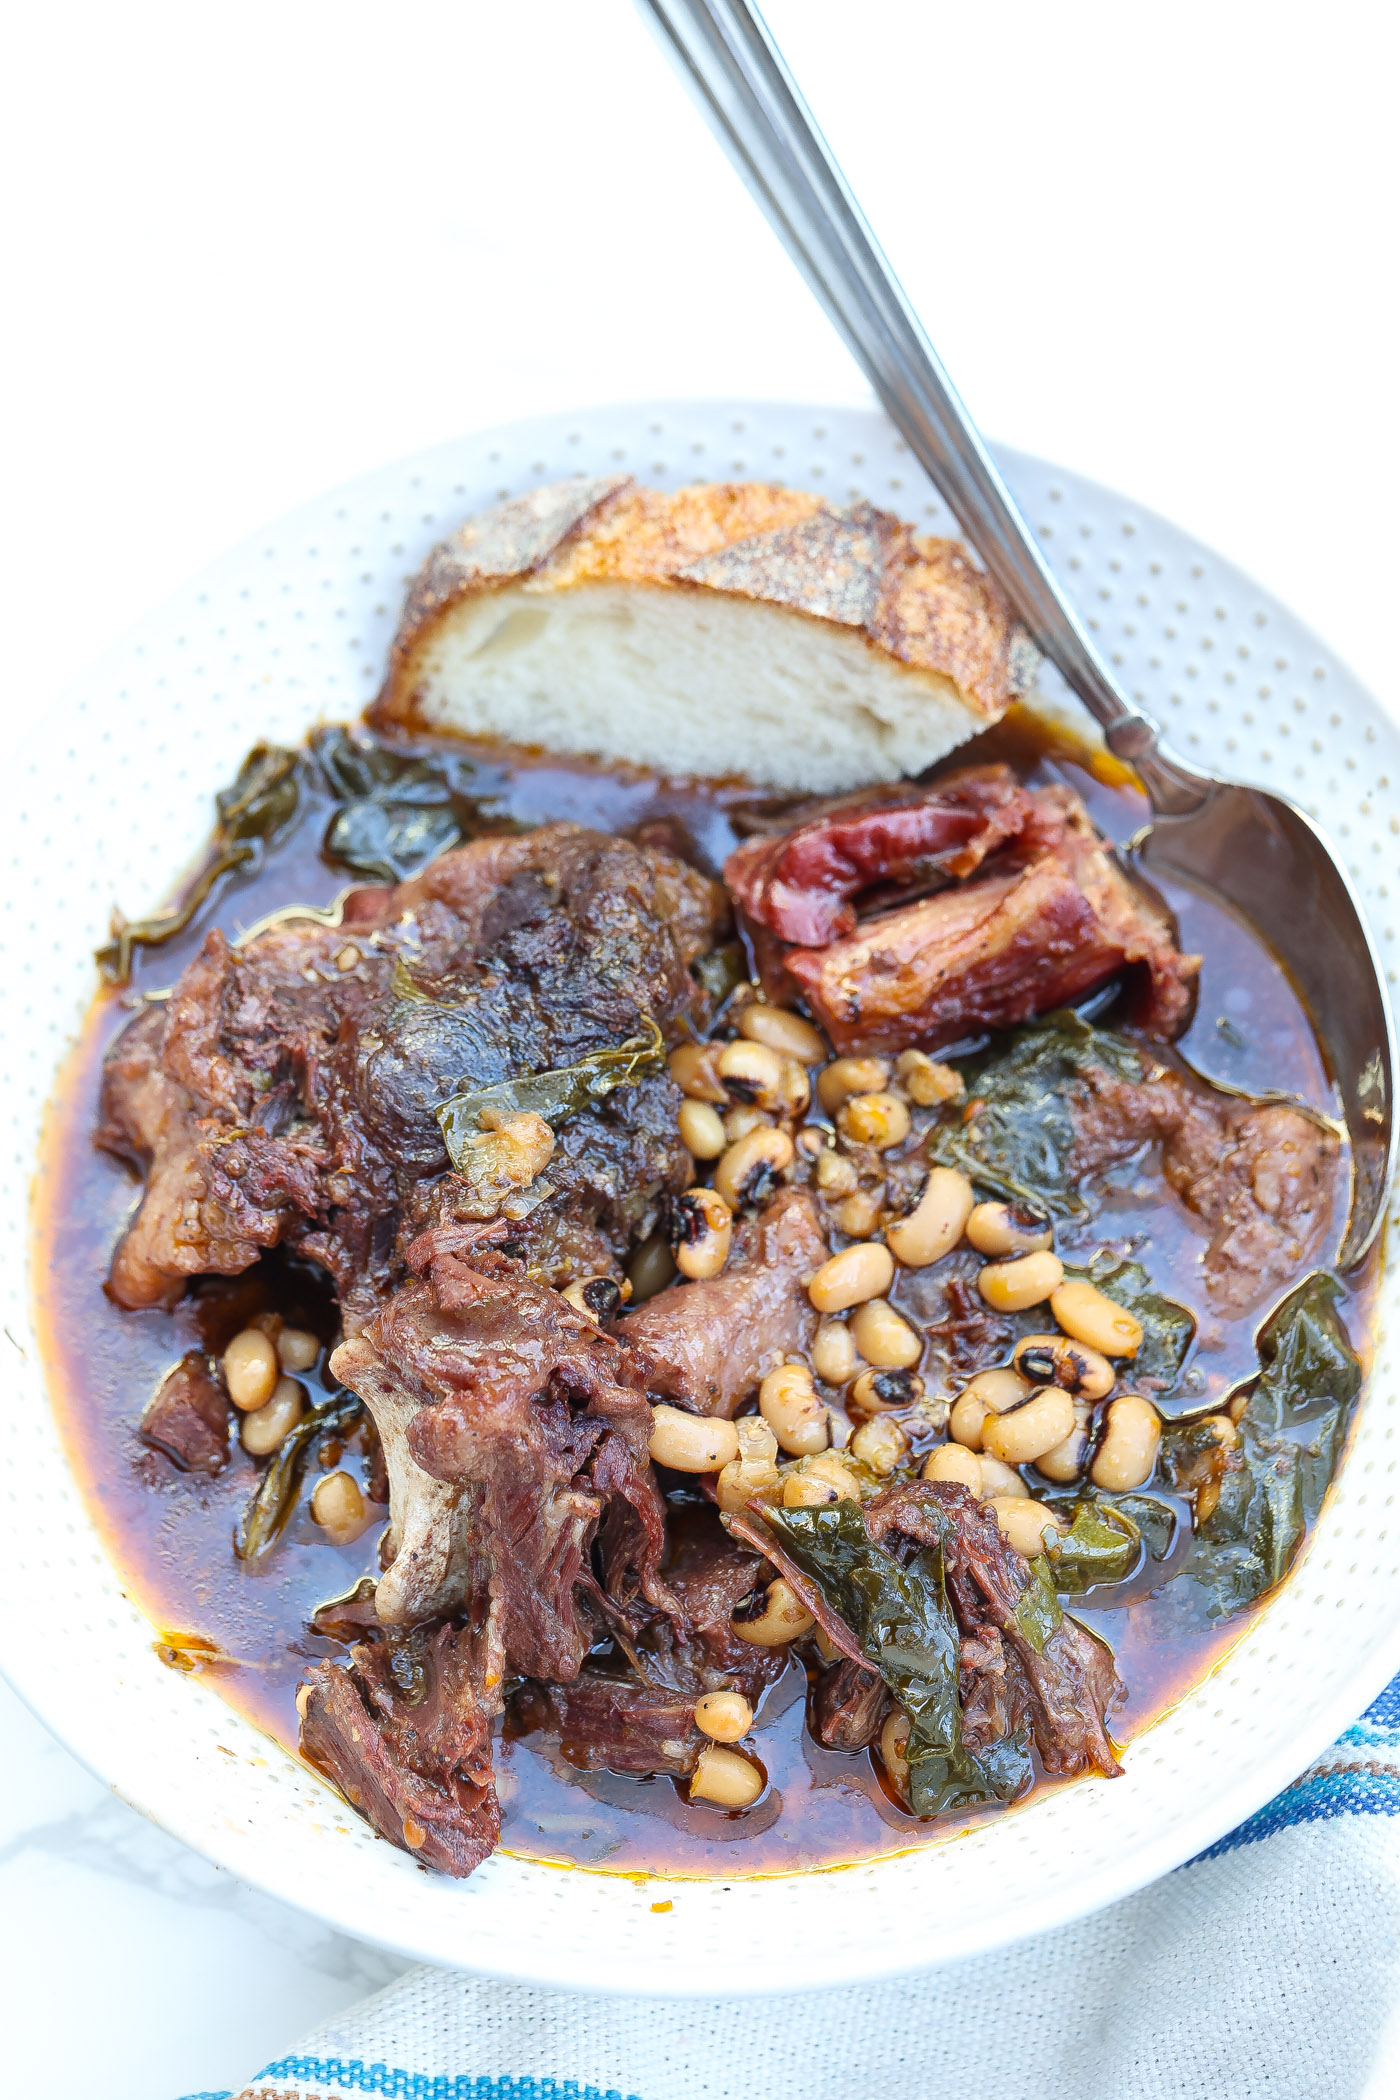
[920, 601]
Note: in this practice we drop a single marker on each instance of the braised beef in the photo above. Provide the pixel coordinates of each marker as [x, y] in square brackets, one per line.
[510, 1437]
[405, 1733]
[620, 1723]
[1261, 1177]
[709, 1344]
[188, 1417]
[287, 1091]
[848, 1706]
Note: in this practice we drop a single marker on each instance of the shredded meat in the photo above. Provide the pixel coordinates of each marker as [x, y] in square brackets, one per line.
[1045, 924]
[1065, 1691]
[800, 886]
[848, 1706]
[513, 1404]
[620, 1723]
[709, 1344]
[286, 1093]
[188, 1418]
[404, 1732]
[1260, 1178]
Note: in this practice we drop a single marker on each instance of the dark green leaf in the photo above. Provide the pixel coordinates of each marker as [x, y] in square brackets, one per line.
[1019, 1138]
[720, 971]
[554, 1095]
[1168, 1329]
[390, 840]
[905, 1628]
[1103, 1544]
[273, 1500]
[259, 802]
[1038, 1613]
[1155, 1520]
[1271, 1484]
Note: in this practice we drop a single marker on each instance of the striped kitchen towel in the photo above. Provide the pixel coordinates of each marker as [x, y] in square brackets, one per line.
[1269, 1966]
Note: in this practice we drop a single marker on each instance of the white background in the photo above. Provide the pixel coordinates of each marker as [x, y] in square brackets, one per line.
[251, 251]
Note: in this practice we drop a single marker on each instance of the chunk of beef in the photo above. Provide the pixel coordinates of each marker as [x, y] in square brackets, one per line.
[620, 1723]
[1065, 1690]
[1261, 1177]
[710, 1344]
[404, 1730]
[848, 1706]
[512, 1404]
[188, 1417]
[800, 885]
[1025, 938]
[287, 1091]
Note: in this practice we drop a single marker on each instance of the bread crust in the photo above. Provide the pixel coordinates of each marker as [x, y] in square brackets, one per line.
[919, 601]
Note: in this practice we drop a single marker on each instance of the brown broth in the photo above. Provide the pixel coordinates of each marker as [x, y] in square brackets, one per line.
[170, 1533]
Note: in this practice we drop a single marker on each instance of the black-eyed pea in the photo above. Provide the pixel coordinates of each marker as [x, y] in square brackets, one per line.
[1013, 1286]
[297, 1350]
[725, 1778]
[794, 1088]
[880, 1120]
[704, 1229]
[694, 1068]
[989, 1393]
[789, 1404]
[835, 1358]
[1030, 1429]
[935, 1225]
[836, 1174]
[850, 1277]
[884, 1337]
[702, 1130]
[999, 1479]
[858, 1215]
[894, 1739]
[954, 1462]
[264, 1428]
[881, 1444]
[926, 1081]
[1067, 1461]
[751, 1072]
[776, 1615]
[651, 1268]
[339, 1508]
[850, 1075]
[753, 1475]
[783, 1031]
[1002, 1229]
[738, 1122]
[748, 1168]
[251, 1369]
[723, 1716]
[691, 1443]
[1089, 1315]
[1128, 1453]
[1027, 1525]
[884, 1392]
[598, 1298]
[1052, 1359]
[819, 1482]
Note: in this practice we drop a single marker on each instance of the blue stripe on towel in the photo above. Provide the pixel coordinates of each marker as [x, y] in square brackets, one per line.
[356, 2077]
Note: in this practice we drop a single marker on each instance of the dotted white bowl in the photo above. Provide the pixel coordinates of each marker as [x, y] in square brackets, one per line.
[108, 797]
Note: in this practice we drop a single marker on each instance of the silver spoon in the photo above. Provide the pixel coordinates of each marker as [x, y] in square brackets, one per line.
[1255, 850]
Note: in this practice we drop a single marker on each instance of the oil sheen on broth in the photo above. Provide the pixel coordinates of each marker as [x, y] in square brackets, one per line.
[246, 1627]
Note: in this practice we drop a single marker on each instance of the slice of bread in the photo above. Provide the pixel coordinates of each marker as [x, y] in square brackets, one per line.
[731, 629]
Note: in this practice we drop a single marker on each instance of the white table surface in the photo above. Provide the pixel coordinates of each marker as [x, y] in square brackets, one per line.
[252, 252]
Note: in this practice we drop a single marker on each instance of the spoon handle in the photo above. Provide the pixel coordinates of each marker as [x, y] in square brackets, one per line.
[734, 69]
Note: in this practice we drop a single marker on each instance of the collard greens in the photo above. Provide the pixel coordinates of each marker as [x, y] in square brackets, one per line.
[1291, 1434]
[905, 1628]
[1168, 1329]
[1021, 1136]
[554, 1095]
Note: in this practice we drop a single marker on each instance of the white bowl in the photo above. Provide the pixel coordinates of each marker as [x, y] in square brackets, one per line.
[109, 796]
